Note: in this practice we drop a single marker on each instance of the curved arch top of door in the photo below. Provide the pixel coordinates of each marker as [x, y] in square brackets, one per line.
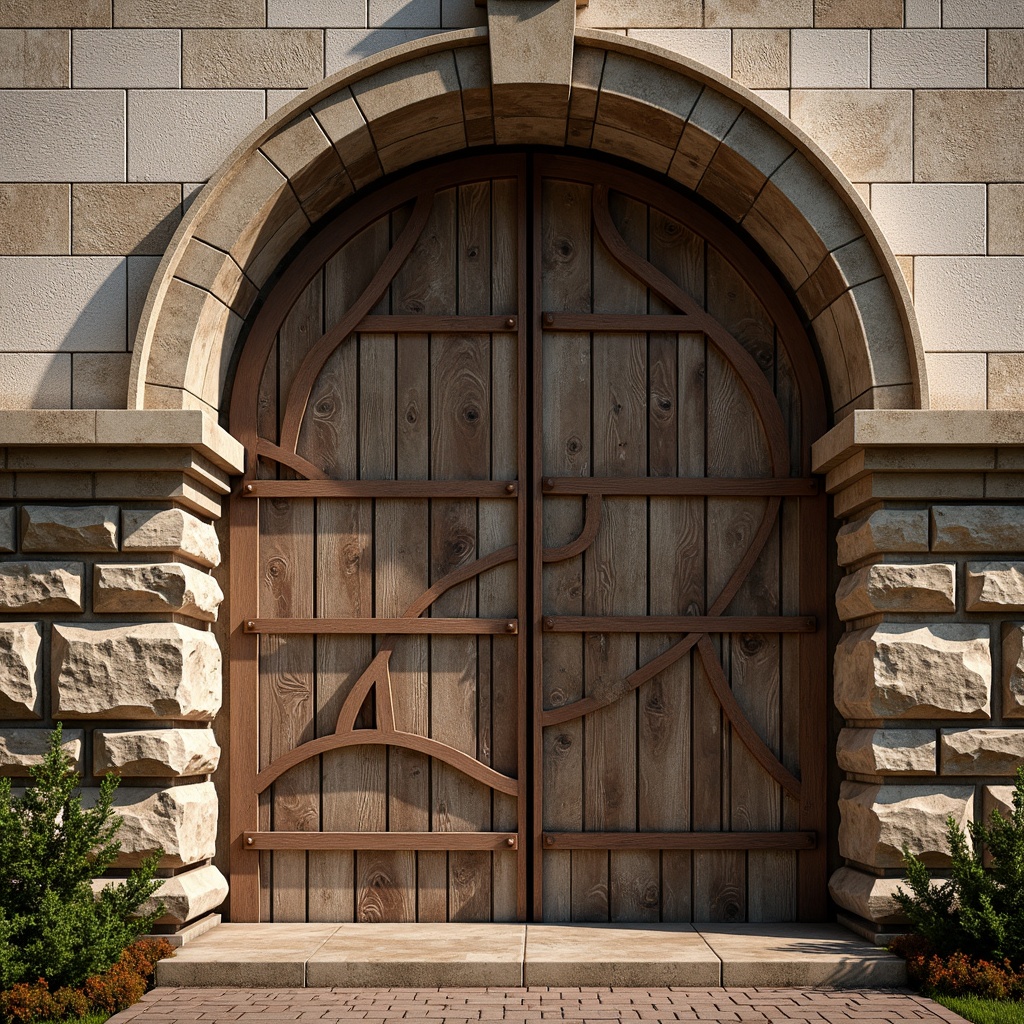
[527, 563]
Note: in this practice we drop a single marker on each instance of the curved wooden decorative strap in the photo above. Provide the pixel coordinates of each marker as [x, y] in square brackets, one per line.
[268, 450]
[740, 723]
[377, 737]
[567, 712]
[750, 374]
[317, 356]
[460, 575]
[591, 524]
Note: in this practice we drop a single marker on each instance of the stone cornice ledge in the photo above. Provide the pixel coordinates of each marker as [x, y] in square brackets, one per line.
[917, 428]
[133, 429]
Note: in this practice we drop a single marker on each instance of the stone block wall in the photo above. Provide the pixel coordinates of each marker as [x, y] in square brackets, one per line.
[929, 673]
[107, 612]
[115, 112]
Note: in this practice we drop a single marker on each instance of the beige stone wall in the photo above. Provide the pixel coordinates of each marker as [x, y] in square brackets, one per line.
[116, 111]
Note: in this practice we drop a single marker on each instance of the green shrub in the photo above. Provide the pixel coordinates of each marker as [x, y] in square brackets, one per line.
[977, 911]
[51, 924]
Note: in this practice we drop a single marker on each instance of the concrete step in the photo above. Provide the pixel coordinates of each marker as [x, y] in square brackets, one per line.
[510, 955]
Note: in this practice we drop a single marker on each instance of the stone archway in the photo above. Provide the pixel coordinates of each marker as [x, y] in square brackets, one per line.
[469, 88]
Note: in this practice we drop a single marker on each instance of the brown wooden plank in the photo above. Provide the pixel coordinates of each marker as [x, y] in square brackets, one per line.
[733, 841]
[705, 486]
[680, 623]
[610, 323]
[382, 488]
[387, 841]
[376, 626]
[481, 326]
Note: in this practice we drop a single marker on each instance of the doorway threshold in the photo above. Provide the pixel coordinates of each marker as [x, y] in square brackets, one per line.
[544, 955]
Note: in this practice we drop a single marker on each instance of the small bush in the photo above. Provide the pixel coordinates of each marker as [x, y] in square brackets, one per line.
[977, 912]
[957, 974]
[51, 924]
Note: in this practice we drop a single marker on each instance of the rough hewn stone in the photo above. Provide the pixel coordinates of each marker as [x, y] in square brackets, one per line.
[22, 749]
[897, 588]
[7, 538]
[182, 821]
[996, 798]
[982, 751]
[144, 670]
[885, 530]
[163, 587]
[60, 528]
[41, 586]
[995, 586]
[185, 897]
[1013, 670]
[877, 822]
[174, 752]
[978, 528]
[907, 670]
[20, 665]
[866, 895]
[887, 751]
[171, 530]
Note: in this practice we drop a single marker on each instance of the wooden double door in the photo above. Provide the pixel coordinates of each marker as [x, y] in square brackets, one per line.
[527, 567]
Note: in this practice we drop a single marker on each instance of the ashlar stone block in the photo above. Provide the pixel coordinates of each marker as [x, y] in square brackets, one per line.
[887, 751]
[162, 587]
[877, 822]
[22, 749]
[867, 895]
[62, 528]
[146, 670]
[7, 538]
[182, 821]
[911, 670]
[20, 670]
[897, 588]
[982, 751]
[174, 752]
[886, 530]
[185, 897]
[41, 586]
[994, 528]
[995, 586]
[1013, 670]
[171, 530]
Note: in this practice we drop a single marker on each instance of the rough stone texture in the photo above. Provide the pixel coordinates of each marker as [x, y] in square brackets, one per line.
[928, 59]
[20, 669]
[185, 897]
[978, 528]
[956, 380]
[866, 895]
[251, 59]
[858, 13]
[35, 219]
[927, 220]
[996, 798]
[22, 749]
[877, 822]
[141, 671]
[182, 821]
[1013, 670]
[897, 588]
[35, 58]
[174, 752]
[195, 13]
[64, 13]
[1005, 217]
[907, 670]
[8, 540]
[982, 751]
[41, 586]
[171, 530]
[127, 58]
[35, 380]
[995, 586]
[760, 58]
[100, 379]
[831, 59]
[1006, 59]
[1005, 373]
[990, 118]
[735, 13]
[135, 218]
[163, 587]
[61, 528]
[887, 751]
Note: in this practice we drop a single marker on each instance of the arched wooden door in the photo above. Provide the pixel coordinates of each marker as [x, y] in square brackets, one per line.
[527, 567]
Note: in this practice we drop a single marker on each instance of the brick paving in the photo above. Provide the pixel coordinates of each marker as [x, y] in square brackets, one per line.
[469, 1005]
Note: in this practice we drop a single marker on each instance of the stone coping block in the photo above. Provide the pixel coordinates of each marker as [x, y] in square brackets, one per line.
[995, 586]
[914, 670]
[982, 751]
[145, 670]
[171, 530]
[69, 527]
[159, 587]
[22, 749]
[897, 588]
[185, 896]
[142, 428]
[41, 586]
[1013, 670]
[867, 895]
[20, 670]
[887, 752]
[161, 752]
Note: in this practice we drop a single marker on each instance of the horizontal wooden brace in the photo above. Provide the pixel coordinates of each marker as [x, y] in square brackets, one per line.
[426, 324]
[618, 323]
[381, 489]
[680, 840]
[367, 625]
[741, 487]
[680, 624]
[380, 840]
